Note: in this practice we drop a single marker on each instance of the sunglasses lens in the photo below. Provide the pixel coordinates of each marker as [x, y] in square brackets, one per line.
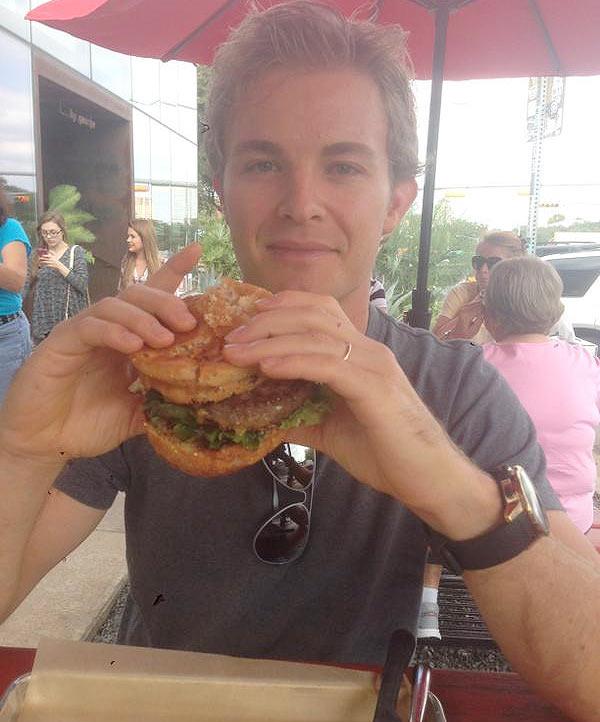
[289, 472]
[479, 262]
[282, 538]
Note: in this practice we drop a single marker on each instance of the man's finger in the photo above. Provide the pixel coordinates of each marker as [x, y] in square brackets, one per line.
[169, 276]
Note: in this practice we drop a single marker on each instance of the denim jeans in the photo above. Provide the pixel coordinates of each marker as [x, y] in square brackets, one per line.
[15, 347]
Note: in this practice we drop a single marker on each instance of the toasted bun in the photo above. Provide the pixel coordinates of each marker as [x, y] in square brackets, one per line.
[192, 369]
[196, 461]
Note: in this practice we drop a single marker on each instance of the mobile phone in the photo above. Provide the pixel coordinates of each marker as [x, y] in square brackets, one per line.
[42, 252]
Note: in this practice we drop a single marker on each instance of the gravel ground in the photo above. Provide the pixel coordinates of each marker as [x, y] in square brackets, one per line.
[109, 628]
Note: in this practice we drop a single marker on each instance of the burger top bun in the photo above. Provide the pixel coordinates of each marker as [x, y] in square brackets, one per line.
[192, 369]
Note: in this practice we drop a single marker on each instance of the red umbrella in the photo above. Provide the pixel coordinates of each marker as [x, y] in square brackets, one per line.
[452, 39]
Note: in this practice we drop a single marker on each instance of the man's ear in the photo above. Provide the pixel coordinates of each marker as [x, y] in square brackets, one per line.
[401, 199]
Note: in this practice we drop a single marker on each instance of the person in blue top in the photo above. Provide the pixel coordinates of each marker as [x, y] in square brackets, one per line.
[15, 339]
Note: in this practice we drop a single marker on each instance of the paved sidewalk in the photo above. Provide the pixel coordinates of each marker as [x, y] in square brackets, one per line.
[70, 600]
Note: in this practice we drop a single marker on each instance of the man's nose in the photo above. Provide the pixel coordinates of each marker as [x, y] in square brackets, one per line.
[300, 199]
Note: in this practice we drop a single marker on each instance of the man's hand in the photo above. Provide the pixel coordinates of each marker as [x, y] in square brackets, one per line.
[71, 397]
[380, 431]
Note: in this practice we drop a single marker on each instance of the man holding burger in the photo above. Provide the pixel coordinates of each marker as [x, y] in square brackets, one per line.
[313, 147]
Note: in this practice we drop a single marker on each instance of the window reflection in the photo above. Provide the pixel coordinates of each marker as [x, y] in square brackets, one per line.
[72, 51]
[168, 82]
[161, 203]
[179, 204]
[141, 146]
[12, 16]
[183, 154]
[145, 84]
[169, 115]
[112, 70]
[160, 149]
[188, 123]
[16, 116]
[186, 84]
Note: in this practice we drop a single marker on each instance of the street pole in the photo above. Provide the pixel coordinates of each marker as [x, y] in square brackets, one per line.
[536, 164]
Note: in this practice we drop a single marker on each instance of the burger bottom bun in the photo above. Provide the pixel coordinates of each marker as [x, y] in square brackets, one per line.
[197, 461]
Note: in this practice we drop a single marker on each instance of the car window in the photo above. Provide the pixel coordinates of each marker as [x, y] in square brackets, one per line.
[577, 274]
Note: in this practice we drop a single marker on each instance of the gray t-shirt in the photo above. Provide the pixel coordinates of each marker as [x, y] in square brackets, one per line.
[195, 582]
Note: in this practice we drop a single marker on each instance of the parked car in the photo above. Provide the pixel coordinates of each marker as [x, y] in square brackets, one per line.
[547, 249]
[580, 274]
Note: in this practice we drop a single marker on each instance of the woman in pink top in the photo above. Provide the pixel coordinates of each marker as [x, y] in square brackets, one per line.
[558, 383]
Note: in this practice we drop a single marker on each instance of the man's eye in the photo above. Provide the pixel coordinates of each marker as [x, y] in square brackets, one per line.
[261, 166]
[344, 169]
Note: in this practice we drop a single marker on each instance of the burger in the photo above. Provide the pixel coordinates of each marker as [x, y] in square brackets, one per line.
[202, 414]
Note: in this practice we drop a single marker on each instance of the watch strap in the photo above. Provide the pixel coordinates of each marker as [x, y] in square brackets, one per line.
[502, 543]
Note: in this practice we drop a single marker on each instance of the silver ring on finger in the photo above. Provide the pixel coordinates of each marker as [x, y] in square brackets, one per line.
[346, 356]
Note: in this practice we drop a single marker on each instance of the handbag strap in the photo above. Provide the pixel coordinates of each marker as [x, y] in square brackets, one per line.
[71, 259]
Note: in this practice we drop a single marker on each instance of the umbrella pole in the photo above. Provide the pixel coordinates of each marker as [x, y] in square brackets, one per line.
[420, 315]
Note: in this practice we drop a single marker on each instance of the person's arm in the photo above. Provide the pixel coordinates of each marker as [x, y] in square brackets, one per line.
[40, 526]
[78, 374]
[383, 435]
[13, 268]
[543, 609]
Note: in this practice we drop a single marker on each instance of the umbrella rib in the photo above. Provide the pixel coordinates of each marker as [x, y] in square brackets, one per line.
[172, 52]
[537, 14]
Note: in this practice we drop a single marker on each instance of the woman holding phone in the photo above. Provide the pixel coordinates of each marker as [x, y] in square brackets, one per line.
[59, 276]
[15, 342]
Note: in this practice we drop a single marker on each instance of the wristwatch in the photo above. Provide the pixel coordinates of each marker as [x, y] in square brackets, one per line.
[525, 521]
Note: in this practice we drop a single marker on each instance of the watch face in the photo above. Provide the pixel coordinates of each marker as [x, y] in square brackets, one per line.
[531, 501]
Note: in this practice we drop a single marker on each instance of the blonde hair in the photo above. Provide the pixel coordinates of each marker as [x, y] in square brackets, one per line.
[523, 295]
[312, 36]
[514, 244]
[145, 230]
[47, 217]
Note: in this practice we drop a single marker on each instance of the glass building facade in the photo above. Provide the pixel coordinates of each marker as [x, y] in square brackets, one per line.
[160, 99]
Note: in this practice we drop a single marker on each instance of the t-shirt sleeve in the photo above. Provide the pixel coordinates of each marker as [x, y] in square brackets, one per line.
[12, 231]
[95, 482]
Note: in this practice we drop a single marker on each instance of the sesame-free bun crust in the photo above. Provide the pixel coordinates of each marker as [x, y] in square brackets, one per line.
[196, 461]
[192, 369]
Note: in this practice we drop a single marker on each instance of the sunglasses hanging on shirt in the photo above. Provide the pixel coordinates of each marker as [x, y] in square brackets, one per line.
[283, 537]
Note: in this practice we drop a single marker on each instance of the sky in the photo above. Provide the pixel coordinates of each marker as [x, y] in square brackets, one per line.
[483, 142]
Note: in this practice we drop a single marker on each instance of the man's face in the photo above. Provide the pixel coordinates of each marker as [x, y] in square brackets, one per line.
[306, 188]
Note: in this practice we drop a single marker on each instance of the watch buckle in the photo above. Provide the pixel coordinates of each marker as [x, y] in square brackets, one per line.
[513, 504]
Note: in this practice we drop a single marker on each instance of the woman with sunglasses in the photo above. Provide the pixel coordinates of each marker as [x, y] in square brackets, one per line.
[59, 277]
[462, 311]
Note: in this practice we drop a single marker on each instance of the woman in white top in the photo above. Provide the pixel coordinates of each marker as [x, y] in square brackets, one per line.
[142, 258]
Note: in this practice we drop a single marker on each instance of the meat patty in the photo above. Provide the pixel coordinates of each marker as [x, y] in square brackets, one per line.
[268, 404]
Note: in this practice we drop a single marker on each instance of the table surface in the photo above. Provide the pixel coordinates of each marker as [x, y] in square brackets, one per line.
[466, 696]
